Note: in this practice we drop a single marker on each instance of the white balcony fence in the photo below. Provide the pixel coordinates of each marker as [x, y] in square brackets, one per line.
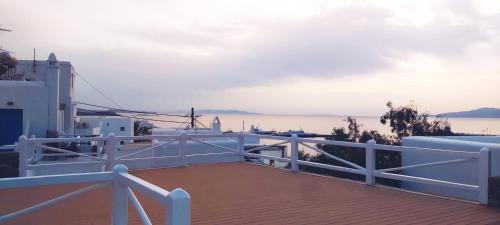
[176, 203]
[107, 155]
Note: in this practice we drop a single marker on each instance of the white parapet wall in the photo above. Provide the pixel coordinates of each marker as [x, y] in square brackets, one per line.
[465, 172]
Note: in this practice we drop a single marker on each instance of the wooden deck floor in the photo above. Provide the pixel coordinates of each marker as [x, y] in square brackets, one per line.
[240, 193]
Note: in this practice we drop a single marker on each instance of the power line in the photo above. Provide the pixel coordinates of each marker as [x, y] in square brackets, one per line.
[132, 111]
[135, 117]
[200, 123]
[99, 91]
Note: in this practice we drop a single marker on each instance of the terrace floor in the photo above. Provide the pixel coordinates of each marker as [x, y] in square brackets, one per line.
[242, 193]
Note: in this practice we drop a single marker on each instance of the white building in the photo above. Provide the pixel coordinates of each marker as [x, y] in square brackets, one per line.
[104, 125]
[39, 101]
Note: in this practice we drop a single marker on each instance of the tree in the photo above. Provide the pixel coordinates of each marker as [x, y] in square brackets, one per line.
[384, 159]
[142, 127]
[406, 121]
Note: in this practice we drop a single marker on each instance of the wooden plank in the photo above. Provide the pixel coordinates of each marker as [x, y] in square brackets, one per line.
[241, 193]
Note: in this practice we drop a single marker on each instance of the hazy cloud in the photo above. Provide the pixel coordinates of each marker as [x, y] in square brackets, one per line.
[343, 41]
[149, 52]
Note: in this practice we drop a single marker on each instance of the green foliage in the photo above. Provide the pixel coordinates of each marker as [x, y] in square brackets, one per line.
[142, 127]
[406, 121]
[384, 159]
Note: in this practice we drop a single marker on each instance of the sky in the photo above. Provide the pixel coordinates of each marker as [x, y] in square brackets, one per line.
[268, 56]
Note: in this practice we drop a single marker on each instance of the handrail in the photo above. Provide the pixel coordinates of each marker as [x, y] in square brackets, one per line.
[427, 181]
[68, 152]
[334, 157]
[425, 165]
[213, 145]
[19, 182]
[136, 183]
[371, 173]
[331, 142]
[50, 202]
[266, 146]
[267, 137]
[149, 148]
[177, 202]
[138, 207]
[73, 139]
[25, 148]
[430, 150]
[4, 147]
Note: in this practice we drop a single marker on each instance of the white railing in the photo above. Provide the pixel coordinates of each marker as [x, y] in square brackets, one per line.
[176, 203]
[109, 152]
[369, 170]
[26, 148]
[7, 147]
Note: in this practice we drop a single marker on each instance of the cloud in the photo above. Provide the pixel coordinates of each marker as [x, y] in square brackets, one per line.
[343, 41]
[151, 54]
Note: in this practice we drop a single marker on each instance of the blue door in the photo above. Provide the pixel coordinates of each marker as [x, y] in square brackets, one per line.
[11, 125]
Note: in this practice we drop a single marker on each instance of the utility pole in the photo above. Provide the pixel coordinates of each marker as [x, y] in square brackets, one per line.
[192, 117]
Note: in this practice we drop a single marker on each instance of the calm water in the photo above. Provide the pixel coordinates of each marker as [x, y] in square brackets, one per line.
[324, 124]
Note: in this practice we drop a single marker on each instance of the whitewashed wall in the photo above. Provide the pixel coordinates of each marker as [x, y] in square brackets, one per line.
[110, 124]
[32, 97]
[59, 81]
[461, 172]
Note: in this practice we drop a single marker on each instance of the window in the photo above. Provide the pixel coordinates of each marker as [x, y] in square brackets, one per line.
[122, 128]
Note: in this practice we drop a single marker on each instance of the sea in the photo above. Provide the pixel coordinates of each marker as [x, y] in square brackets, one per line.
[322, 124]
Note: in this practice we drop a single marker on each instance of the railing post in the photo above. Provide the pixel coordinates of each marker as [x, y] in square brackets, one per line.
[99, 147]
[154, 142]
[110, 147]
[21, 148]
[294, 152]
[241, 146]
[119, 212]
[178, 207]
[31, 150]
[484, 175]
[182, 148]
[370, 162]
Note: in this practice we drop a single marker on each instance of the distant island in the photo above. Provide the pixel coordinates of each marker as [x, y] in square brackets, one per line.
[222, 111]
[475, 113]
[215, 112]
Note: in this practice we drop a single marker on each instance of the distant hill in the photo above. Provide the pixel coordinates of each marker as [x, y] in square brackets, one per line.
[475, 113]
[215, 111]
[220, 111]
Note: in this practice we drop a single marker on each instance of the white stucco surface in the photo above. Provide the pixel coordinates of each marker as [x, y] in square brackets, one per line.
[466, 172]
